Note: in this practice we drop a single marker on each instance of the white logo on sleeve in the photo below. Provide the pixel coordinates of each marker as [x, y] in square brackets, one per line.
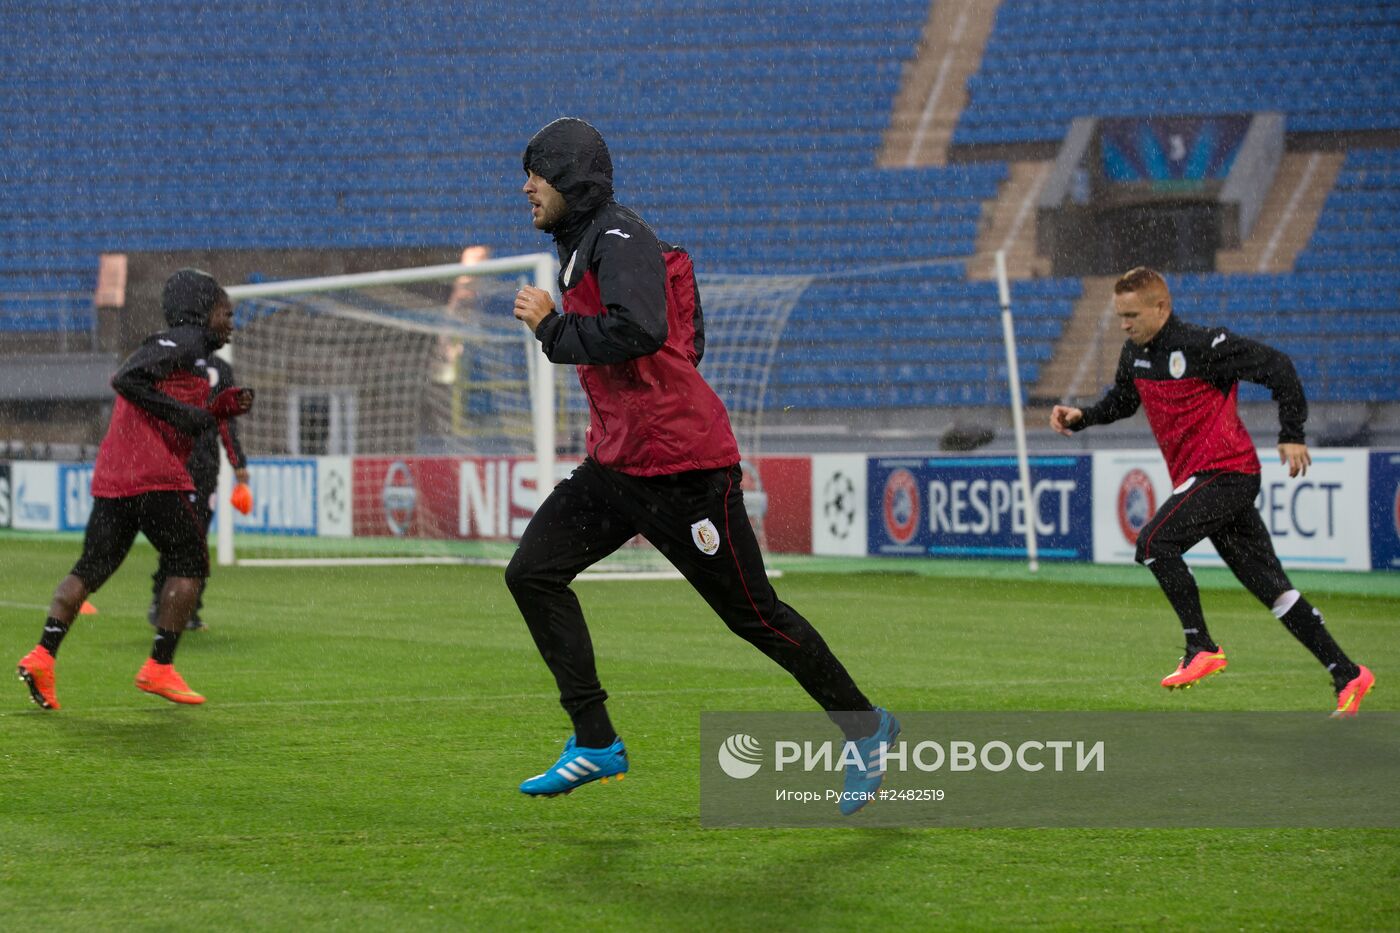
[616, 232]
[1176, 364]
[1143, 364]
[167, 343]
[1217, 341]
[705, 536]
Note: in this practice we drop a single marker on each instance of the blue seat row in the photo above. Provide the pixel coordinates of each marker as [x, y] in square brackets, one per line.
[1330, 67]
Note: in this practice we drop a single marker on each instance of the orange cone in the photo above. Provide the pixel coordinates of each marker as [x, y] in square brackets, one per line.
[87, 609]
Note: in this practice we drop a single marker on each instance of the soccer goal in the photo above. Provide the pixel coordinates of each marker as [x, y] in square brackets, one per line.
[405, 415]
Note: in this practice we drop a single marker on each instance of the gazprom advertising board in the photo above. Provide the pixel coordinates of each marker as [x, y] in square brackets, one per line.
[977, 507]
[34, 496]
[1318, 521]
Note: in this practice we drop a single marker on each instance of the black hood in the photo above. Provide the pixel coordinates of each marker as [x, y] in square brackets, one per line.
[571, 155]
[189, 297]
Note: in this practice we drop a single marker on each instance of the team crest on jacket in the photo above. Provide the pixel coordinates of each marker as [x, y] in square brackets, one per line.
[1176, 364]
[705, 536]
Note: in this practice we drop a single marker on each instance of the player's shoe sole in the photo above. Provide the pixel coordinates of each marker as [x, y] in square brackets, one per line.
[1195, 668]
[1350, 697]
[564, 793]
[36, 670]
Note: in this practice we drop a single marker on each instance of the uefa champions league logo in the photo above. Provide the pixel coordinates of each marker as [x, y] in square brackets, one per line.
[740, 756]
[839, 505]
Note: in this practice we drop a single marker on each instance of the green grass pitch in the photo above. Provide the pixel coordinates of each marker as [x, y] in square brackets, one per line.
[356, 764]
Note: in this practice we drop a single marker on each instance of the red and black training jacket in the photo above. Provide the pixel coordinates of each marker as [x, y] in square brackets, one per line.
[163, 394]
[633, 326]
[1187, 378]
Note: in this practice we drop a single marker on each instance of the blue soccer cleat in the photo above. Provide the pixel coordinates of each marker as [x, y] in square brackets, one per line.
[862, 783]
[576, 767]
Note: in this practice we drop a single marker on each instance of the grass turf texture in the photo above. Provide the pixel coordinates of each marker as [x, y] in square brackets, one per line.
[357, 760]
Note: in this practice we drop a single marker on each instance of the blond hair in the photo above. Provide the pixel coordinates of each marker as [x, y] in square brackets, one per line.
[1145, 280]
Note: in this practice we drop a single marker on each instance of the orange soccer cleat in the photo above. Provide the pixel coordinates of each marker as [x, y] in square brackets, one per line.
[1349, 697]
[164, 681]
[36, 670]
[1194, 667]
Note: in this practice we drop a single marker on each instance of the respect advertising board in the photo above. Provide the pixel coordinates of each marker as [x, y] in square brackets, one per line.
[1385, 509]
[1318, 521]
[968, 507]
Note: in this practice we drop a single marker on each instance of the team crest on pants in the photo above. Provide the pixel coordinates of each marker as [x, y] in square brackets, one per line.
[1176, 364]
[705, 536]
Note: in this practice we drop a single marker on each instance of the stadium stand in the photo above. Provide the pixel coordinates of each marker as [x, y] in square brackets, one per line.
[751, 140]
[1336, 314]
[1329, 66]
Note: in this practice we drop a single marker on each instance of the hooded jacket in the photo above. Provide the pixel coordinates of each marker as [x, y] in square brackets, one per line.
[631, 320]
[163, 395]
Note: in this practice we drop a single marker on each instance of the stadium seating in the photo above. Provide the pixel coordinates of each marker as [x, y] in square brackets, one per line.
[1336, 314]
[1339, 327]
[749, 139]
[1328, 66]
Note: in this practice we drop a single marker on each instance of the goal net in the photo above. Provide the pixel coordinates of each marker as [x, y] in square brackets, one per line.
[406, 415]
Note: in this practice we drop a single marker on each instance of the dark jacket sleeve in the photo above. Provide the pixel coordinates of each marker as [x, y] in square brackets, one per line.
[228, 428]
[161, 355]
[1231, 358]
[632, 283]
[1121, 400]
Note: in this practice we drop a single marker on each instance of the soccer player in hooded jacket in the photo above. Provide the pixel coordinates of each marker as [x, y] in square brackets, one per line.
[1187, 378]
[140, 482]
[661, 461]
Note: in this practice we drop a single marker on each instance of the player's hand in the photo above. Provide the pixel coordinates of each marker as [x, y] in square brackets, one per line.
[242, 498]
[1297, 458]
[232, 402]
[1062, 416]
[531, 306]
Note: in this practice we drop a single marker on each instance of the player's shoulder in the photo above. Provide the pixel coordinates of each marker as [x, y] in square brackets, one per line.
[620, 227]
[188, 342]
[1198, 336]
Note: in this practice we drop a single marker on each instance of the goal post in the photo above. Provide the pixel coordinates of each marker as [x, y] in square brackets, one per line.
[423, 319]
[405, 415]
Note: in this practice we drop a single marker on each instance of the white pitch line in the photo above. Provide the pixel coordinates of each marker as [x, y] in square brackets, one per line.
[679, 691]
[11, 605]
[398, 700]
